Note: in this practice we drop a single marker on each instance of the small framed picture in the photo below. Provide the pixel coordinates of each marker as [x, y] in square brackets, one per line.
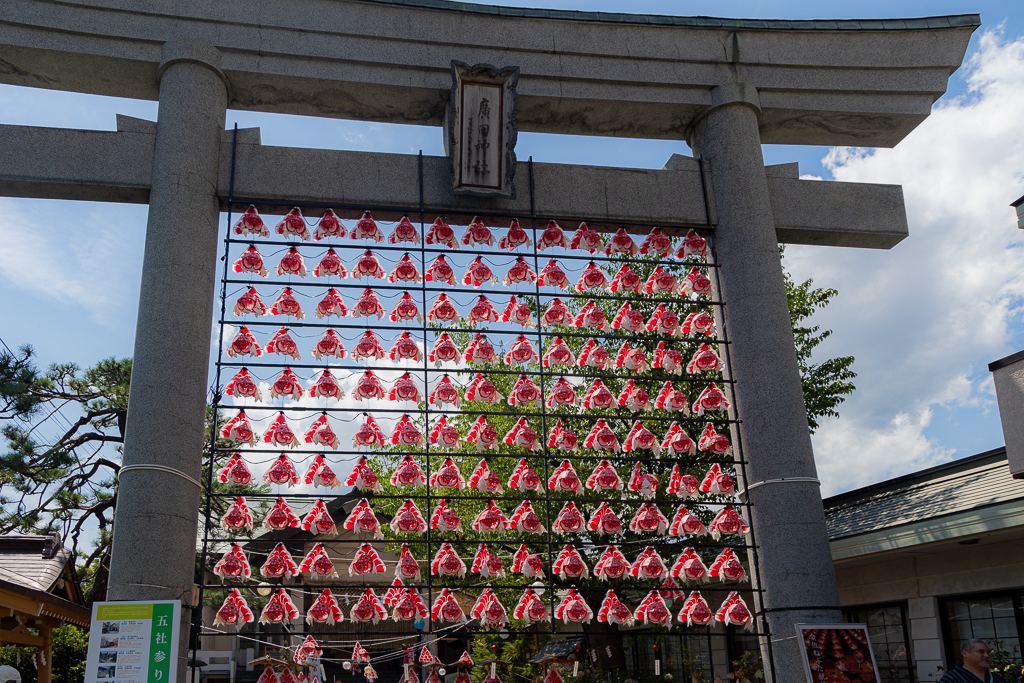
[837, 652]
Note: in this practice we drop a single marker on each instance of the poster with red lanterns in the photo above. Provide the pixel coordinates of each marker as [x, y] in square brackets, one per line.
[837, 653]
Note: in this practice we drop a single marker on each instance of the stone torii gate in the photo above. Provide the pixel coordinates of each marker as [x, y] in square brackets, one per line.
[725, 86]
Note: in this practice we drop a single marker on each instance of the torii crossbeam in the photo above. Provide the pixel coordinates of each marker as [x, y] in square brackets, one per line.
[725, 86]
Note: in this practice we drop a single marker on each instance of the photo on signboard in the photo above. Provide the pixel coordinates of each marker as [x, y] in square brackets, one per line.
[106, 672]
[108, 642]
[109, 657]
[110, 627]
[835, 653]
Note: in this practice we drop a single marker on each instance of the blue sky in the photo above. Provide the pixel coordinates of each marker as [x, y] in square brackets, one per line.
[923, 320]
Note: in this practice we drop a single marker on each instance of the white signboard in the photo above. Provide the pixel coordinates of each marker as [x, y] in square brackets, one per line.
[480, 115]
[482, 129]
[133, 642]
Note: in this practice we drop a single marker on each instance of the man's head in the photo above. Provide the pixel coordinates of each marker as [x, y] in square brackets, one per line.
[976, 654]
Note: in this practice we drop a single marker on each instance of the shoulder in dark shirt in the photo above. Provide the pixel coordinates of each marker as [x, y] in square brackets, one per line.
[962, 675]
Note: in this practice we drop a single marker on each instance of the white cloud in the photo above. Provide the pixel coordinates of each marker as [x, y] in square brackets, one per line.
[875, 449]
[924, 318]
[87, 258]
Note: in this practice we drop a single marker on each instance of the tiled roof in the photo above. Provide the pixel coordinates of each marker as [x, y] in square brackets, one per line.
[970, 483]
[32, 561]
[953, 21]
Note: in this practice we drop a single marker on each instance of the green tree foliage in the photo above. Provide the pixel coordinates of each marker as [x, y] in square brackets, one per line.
[64, 434]
[70, 645]
[826, 384]
[511, 654]
[17, 376]
[68, 650]
[1006, 661]
[748, 668]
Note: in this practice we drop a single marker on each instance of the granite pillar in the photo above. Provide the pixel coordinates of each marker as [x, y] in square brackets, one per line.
[788, 520]
[154, 544]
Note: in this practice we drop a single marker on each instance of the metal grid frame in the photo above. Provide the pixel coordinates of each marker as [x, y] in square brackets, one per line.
[210, 543]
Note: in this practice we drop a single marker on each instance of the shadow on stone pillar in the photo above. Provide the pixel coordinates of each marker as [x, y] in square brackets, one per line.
[154, 544]
[788, 520]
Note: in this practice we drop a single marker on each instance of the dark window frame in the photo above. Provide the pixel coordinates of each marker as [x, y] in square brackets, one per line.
[639, 654]
[734, 645]
[908, 638]
[950, 646]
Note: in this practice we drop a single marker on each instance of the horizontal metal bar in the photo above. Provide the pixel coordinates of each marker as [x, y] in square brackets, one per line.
[438, 494]
[437, 331]
[696, 542]
[473, 251]
[476, 292]
[486, 455]
[617, 585]
[677, 629]
[417, 372]
[496, 413]
[447, 211]
[541, 540]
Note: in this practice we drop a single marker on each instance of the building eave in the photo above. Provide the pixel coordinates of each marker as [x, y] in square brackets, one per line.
[41, 604]
[981, 520]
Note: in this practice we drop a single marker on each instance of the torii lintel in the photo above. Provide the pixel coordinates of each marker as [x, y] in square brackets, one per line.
[822, 82]
[105, 166]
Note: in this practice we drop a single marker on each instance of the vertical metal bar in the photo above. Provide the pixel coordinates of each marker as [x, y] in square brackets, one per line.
[426, 393]
[752, 551]
[215, 401]
[711, 649]
[905, 642]
[543, 399]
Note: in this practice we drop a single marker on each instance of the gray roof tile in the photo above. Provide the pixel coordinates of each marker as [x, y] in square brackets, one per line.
[22, 561]
[959, 486]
